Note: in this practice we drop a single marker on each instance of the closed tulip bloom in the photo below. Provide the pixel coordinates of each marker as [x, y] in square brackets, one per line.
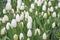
[8, 26]
[15, 37]
[45, 15]
[30, 10]
[49, 3]
[29, 25]
[59, 4]
[3, 31]
[44, 7]
[35, 1]
[19, 2]
[12, 10]
[3, 20]
[13, 23]
[4, 11]
[17, 18]
[54, 14]
[8, 1]
[21, 37]
[37, 31]
[29, 33]
[22, 16]
[51, 9]
[8, 6]
[32, 6]
[28, 38]
[26, 14]
[53, 25]
[29, 19]
[6, 18]
[44, 36]
[39, 2]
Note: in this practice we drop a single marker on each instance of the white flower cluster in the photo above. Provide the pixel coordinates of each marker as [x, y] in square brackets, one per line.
[25, 15]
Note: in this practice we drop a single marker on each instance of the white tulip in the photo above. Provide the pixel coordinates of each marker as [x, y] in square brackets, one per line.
[30, 19]
[29, 33]
[13, 23]
[17, 18]
[49, 3]
[35, 1]
[12, 10]
[44, 36]
[51, 9]
[19, 2]
[45, 15]
[32, 6]
[8, 6]
[59, 4]
[22, 7]
[8, 26]
[44, 7]
[22, 16]
[4, 11]
[26, 14]
[21, 37]
[30, 10]
[29, 25]
[53, 25]
[8, 1]
[15, 37]
[54, 14]
[28, 38]
[3, 31]
[45, 3]
[3, 20]
[6, 18]
[39, 2]
[37, 31]
[36, 13]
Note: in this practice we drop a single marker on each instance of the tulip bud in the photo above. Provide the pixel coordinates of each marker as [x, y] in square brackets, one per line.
[30, 10]
[45, 15]
[3, 31]
[28, 38]
[54, 14]
[21, 37]
[4, 11]
[59, 4]
[15, 37]
[13, 23]
[29, 25]
[44, 36]
[53, 24]
[37, 31]
[49, 3]
[44, 7]
[30, 19]
[26, 14]
[32, 6]
[51, 9]
[6, 18]
[8, 26]
[22, 16]
[12, 10]
[8, 6]
[29, 33]
[17, 18]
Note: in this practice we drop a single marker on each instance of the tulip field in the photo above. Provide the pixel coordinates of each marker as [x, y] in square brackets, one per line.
[29, 19]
